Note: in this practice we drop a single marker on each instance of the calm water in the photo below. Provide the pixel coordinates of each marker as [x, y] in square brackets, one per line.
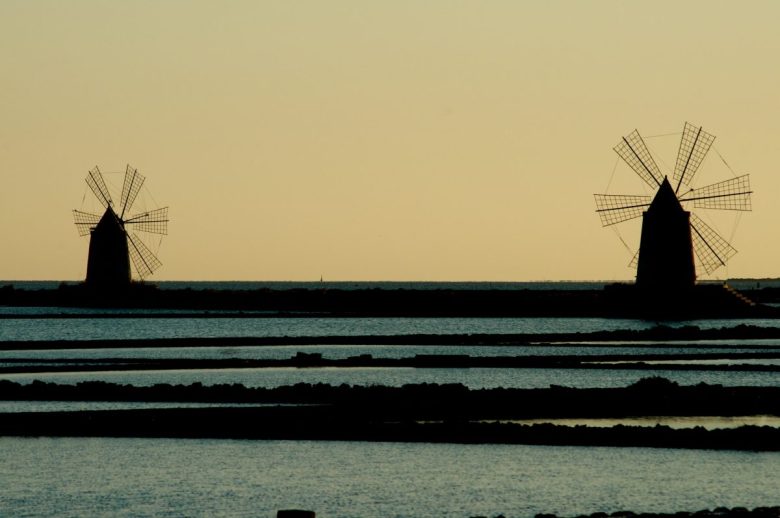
[110, 329]
[283, 352]
[75, 406]
[137, 328]
[158, 477]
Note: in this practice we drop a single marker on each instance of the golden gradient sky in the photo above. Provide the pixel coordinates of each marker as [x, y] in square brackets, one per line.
[403, 140]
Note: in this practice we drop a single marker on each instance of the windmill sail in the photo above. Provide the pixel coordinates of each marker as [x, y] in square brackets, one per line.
[155, 221]
[710, 248]
[616, 208]
[732, 194]
[634, 261]
[694, 145]
[634, 152]
[130, 188]
[85, 221]
[98, 186]
[144, 260]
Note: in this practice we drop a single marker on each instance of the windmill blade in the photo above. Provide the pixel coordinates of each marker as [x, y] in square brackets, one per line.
[155, 221]
[634, 152]
[694, 145]
[144, 260]
[710, 248]
[130, 188]
[732, 194]
[98, 186]
[616, 208]
[634, 261]
[85, 221]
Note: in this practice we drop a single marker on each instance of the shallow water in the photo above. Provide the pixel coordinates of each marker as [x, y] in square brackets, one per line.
[283, 352]
[68, 477]
[140, 328]
[182, 327]
[75, 406]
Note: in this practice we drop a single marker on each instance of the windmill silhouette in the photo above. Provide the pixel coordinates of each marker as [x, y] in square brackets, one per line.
[113, 243]
[674, 240]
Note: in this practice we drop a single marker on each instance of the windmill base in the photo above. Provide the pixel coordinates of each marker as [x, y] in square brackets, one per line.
[698, 301]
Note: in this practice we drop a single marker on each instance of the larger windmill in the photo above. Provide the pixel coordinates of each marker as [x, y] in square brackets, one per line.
[113, 241]
[674, 240]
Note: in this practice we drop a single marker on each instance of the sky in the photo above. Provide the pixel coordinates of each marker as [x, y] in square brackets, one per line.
[360, 140]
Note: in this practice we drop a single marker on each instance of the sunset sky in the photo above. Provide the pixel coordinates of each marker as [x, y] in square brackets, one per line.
[360, 140]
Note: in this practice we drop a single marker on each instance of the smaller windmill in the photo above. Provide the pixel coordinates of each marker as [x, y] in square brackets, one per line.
[113, 241]
[674, 240]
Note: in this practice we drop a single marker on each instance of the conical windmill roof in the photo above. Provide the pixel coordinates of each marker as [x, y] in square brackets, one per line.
[665, 199]
[110, 222]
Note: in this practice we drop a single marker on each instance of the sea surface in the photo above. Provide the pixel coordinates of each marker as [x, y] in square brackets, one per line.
[69, 477]
[165, 477]
[105, 328]
[43, 328]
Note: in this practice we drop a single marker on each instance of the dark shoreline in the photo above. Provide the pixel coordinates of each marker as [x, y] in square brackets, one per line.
[413, 413]
[718, 512]
[325, 424]
[614, 301]
[318, 424]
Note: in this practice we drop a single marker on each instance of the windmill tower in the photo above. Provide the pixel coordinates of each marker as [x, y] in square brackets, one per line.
[674, 240]
[113, 243]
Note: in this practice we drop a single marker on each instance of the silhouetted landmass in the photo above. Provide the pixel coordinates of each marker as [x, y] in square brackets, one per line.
[718, 512]
[338, 424]
[649, 396]
[419, 361]
[413, 413]
[617, 300]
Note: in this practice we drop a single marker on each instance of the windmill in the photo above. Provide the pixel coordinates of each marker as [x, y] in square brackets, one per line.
[113, 242]
[674, 240]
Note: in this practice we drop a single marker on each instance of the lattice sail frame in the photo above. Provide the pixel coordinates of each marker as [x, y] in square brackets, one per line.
[710, 249]
[616, 208]
[85, 221]
[98, 186]
[144, 260]
[634, 152]
[130, 189]
[153, 222]
[694, 145]
[731, 194]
